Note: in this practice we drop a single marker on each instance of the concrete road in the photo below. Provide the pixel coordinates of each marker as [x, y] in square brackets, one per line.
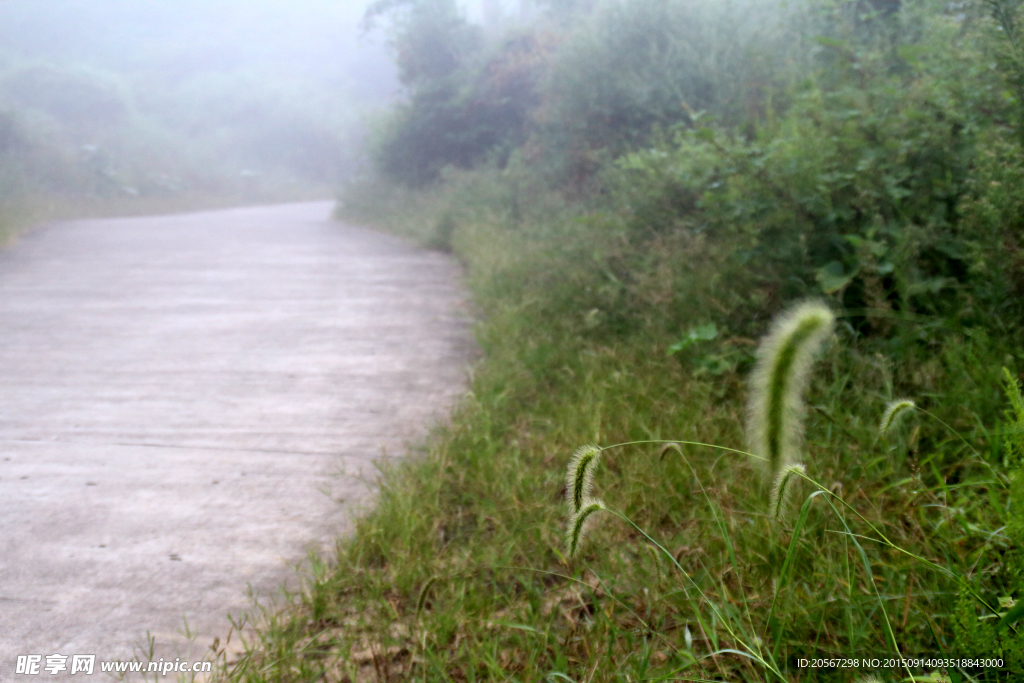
[184, 400]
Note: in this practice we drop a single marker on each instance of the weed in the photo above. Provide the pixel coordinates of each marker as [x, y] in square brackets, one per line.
[580, 476]
[894, 413]
[578, 524]
[782, 489]
[775, 416]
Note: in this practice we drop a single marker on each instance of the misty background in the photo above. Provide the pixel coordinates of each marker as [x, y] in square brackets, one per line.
[125, 98]
[260, 99]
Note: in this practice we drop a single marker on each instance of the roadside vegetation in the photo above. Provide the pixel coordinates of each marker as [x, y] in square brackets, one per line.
[637, 189]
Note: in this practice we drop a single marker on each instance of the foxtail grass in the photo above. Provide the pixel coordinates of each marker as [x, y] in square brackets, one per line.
[894, 414]
[578, 525]
[579, 477]
[421, 601]
[775, 412]
[782, 491]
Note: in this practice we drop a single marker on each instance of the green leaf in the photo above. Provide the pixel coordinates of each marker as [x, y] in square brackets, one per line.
[931, 286]
[912, 53]
[704, 332]
[700, 333]
[831, 42]
[897, 192]
[832, 278]
[877, 249]
[790, 553]
[1013, 615]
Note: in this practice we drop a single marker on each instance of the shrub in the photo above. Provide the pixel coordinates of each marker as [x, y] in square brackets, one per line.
[637, 65]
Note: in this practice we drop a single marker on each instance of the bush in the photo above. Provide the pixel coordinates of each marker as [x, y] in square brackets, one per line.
[856, 192]
[636, 65]
[473, 114]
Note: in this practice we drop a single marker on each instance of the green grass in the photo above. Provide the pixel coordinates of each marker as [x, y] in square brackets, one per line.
[461, 572]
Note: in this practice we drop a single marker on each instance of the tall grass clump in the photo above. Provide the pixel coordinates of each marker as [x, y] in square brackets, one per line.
[775, 425]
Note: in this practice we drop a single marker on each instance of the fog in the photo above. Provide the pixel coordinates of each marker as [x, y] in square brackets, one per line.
[163, 96]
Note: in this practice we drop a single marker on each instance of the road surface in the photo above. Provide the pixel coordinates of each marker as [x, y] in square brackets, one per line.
[184, 400]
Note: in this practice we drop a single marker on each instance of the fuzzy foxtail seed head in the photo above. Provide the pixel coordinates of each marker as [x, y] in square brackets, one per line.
[422, 601]
[784, 359]
[895, 411]
[869, 679]
[579, 478]
[578, 525]
[782, 492]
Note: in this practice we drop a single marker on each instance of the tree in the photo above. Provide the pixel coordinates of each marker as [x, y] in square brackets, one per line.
[431, 38]
[468, 102]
